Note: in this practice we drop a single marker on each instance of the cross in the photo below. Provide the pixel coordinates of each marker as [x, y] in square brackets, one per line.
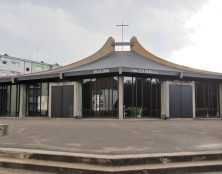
[122, 25]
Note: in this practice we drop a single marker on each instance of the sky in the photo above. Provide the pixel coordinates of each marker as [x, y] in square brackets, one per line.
[186, 32]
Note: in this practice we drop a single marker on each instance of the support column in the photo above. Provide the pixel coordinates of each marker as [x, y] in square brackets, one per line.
[22, 106]
[50, 101]
[193, 98]
[165, 99]
[78, 99]
[120, 97]
[220, 99]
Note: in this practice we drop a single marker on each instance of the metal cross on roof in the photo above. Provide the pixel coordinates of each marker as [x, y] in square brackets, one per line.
[122, 25]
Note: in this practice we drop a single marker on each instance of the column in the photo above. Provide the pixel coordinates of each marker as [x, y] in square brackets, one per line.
[50, 101]
[78, 99]
[120, 97]
[22, 106]
[165, 99]
[193, 98]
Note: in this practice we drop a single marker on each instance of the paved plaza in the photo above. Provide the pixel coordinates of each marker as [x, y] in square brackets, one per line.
[102, 136]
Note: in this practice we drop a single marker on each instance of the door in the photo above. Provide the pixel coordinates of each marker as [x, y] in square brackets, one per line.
[62, 101]
[175, 101]
[186, 101]
[180, 101]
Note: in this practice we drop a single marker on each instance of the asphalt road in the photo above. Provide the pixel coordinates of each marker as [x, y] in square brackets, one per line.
[113, 136]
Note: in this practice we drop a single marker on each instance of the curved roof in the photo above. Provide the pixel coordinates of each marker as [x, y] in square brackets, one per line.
[129, 59]
[111, 60]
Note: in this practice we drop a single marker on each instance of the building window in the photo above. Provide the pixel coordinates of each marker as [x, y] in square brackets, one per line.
[9, 100]
[100, 97]
[4, 62]
[15, 63]
[37, 99]
[39, 68]
[141, 97]
[27, 69]
[207, 99]
[3, 73]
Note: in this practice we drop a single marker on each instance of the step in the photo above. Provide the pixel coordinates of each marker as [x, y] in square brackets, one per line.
[20, 171]
[111, 160]
[76, 168]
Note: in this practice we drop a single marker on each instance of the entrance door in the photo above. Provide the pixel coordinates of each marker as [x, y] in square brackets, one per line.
[62, 101]
[181, 105]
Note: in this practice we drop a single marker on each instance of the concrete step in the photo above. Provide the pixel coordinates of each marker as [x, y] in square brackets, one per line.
[76, 168]
[111, 160]
[20, 171]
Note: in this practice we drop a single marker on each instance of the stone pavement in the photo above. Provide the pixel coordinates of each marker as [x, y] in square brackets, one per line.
[102, 136]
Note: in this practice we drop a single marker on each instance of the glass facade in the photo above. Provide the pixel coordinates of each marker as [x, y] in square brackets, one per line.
[37, 99]
[142, 97]
[207, 99]
[9, 100]
[100, 97]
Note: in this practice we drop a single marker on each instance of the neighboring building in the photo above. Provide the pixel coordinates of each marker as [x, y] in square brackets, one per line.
[10, 66]
[115, 84]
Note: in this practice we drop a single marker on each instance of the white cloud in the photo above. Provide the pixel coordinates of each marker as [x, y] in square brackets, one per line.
[66, 31]
[204, 51]
[26, 26]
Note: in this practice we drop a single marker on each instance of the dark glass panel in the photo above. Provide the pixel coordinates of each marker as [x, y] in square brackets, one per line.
[147, 97]
[128, 97]
[86, 94]
[100, 97]
[44, 99]
[37, 99]
[207, 103]
[141, 97]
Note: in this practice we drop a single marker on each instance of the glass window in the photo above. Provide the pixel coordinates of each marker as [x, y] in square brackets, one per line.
[141, 97]
[15, 63]
[100, 97]
[37, 99]
[44, 99]
[207, 99]
[9, 100]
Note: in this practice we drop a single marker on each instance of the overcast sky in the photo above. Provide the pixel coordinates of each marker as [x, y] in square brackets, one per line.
[187, 32]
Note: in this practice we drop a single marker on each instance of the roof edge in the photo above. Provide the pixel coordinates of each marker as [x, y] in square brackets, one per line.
[104, 50]
[138, 48]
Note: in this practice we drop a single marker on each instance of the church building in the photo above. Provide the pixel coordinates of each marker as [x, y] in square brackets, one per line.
[114, 84]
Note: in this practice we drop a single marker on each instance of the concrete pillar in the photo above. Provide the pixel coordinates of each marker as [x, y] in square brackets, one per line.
[220, 98]
[50, 100]
[22, 106]
[120, 97]
[194, 99]
[78, 99]
[164, 99]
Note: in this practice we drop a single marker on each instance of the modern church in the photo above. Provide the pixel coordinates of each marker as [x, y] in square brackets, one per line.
[114, 84]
